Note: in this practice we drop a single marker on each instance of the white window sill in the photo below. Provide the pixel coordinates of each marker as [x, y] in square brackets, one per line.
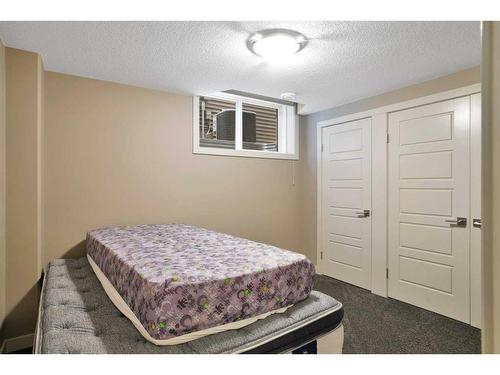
[245, 153]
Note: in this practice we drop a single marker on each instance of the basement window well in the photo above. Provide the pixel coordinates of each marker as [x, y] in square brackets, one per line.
[248, 126]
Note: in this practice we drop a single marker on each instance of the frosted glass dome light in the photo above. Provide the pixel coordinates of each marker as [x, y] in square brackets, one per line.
[276, 44]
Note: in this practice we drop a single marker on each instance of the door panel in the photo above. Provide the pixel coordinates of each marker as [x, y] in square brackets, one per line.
[344, 225]
[350, 169]
[346, 192]
[346, 254]
[345, 198]
[425, 237]
[429, 165]
[425, 129]
[430, 274]
[429, 184]
[425, 201]
[350, 140]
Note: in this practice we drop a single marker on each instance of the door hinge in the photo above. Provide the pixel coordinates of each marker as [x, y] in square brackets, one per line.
[387, 137]
[322, 147]
[321, 254]
[387, 273]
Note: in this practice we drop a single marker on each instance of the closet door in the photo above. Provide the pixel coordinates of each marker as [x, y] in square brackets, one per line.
[346, 202]
[428, 229]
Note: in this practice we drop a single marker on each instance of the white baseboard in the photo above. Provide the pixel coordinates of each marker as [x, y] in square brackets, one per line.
[17, 343]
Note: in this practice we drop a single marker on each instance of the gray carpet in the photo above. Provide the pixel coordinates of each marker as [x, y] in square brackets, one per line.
[374, 324]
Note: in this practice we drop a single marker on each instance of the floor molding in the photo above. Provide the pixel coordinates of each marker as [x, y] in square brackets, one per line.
[17, 343]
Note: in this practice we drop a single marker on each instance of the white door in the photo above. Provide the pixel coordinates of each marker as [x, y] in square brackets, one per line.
[346, 194]
[428, 192]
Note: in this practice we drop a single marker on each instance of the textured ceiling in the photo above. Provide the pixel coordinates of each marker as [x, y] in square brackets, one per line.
[343, 62]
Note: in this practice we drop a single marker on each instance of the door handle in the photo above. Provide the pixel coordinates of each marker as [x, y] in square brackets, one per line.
[477, 223]
[364, 213]
[459, 222]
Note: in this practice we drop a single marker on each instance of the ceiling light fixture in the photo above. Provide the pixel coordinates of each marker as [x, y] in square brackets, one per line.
[276, 43]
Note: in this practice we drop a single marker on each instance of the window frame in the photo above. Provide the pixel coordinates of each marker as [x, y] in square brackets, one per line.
[288, 129]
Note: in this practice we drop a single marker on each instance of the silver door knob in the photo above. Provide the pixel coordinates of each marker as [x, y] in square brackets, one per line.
[459, 222]
[364, 213]
[477, 223]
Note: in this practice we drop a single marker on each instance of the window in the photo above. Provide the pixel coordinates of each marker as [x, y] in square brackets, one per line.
[234, 125]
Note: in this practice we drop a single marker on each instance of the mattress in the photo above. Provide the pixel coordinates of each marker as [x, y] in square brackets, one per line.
[177, 282]
[76, 316]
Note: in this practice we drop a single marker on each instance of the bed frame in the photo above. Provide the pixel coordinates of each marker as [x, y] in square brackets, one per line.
[76, 316]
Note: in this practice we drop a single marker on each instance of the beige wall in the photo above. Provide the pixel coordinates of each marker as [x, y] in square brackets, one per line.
[83, 153]
[2, 184]
[456, 80]
[490, 81]
[23, 189]
[117, 154]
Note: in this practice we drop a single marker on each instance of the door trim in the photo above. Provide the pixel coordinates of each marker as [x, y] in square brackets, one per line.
[476, 300]
[379, 177]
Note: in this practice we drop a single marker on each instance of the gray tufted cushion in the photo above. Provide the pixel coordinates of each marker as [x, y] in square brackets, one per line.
[78, 317]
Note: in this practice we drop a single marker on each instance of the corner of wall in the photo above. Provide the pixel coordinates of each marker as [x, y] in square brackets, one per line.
[40, 164]
[23, 190]
[2, 188]
[490, 88]
[308, 155]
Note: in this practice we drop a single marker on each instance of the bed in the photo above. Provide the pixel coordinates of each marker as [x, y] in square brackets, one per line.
[177, 282]
[77, 316]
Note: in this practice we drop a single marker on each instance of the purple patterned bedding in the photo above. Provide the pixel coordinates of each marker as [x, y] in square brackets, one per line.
[179, 279]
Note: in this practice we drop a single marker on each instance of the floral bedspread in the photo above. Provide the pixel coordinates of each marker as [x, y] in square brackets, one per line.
[179, 278]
